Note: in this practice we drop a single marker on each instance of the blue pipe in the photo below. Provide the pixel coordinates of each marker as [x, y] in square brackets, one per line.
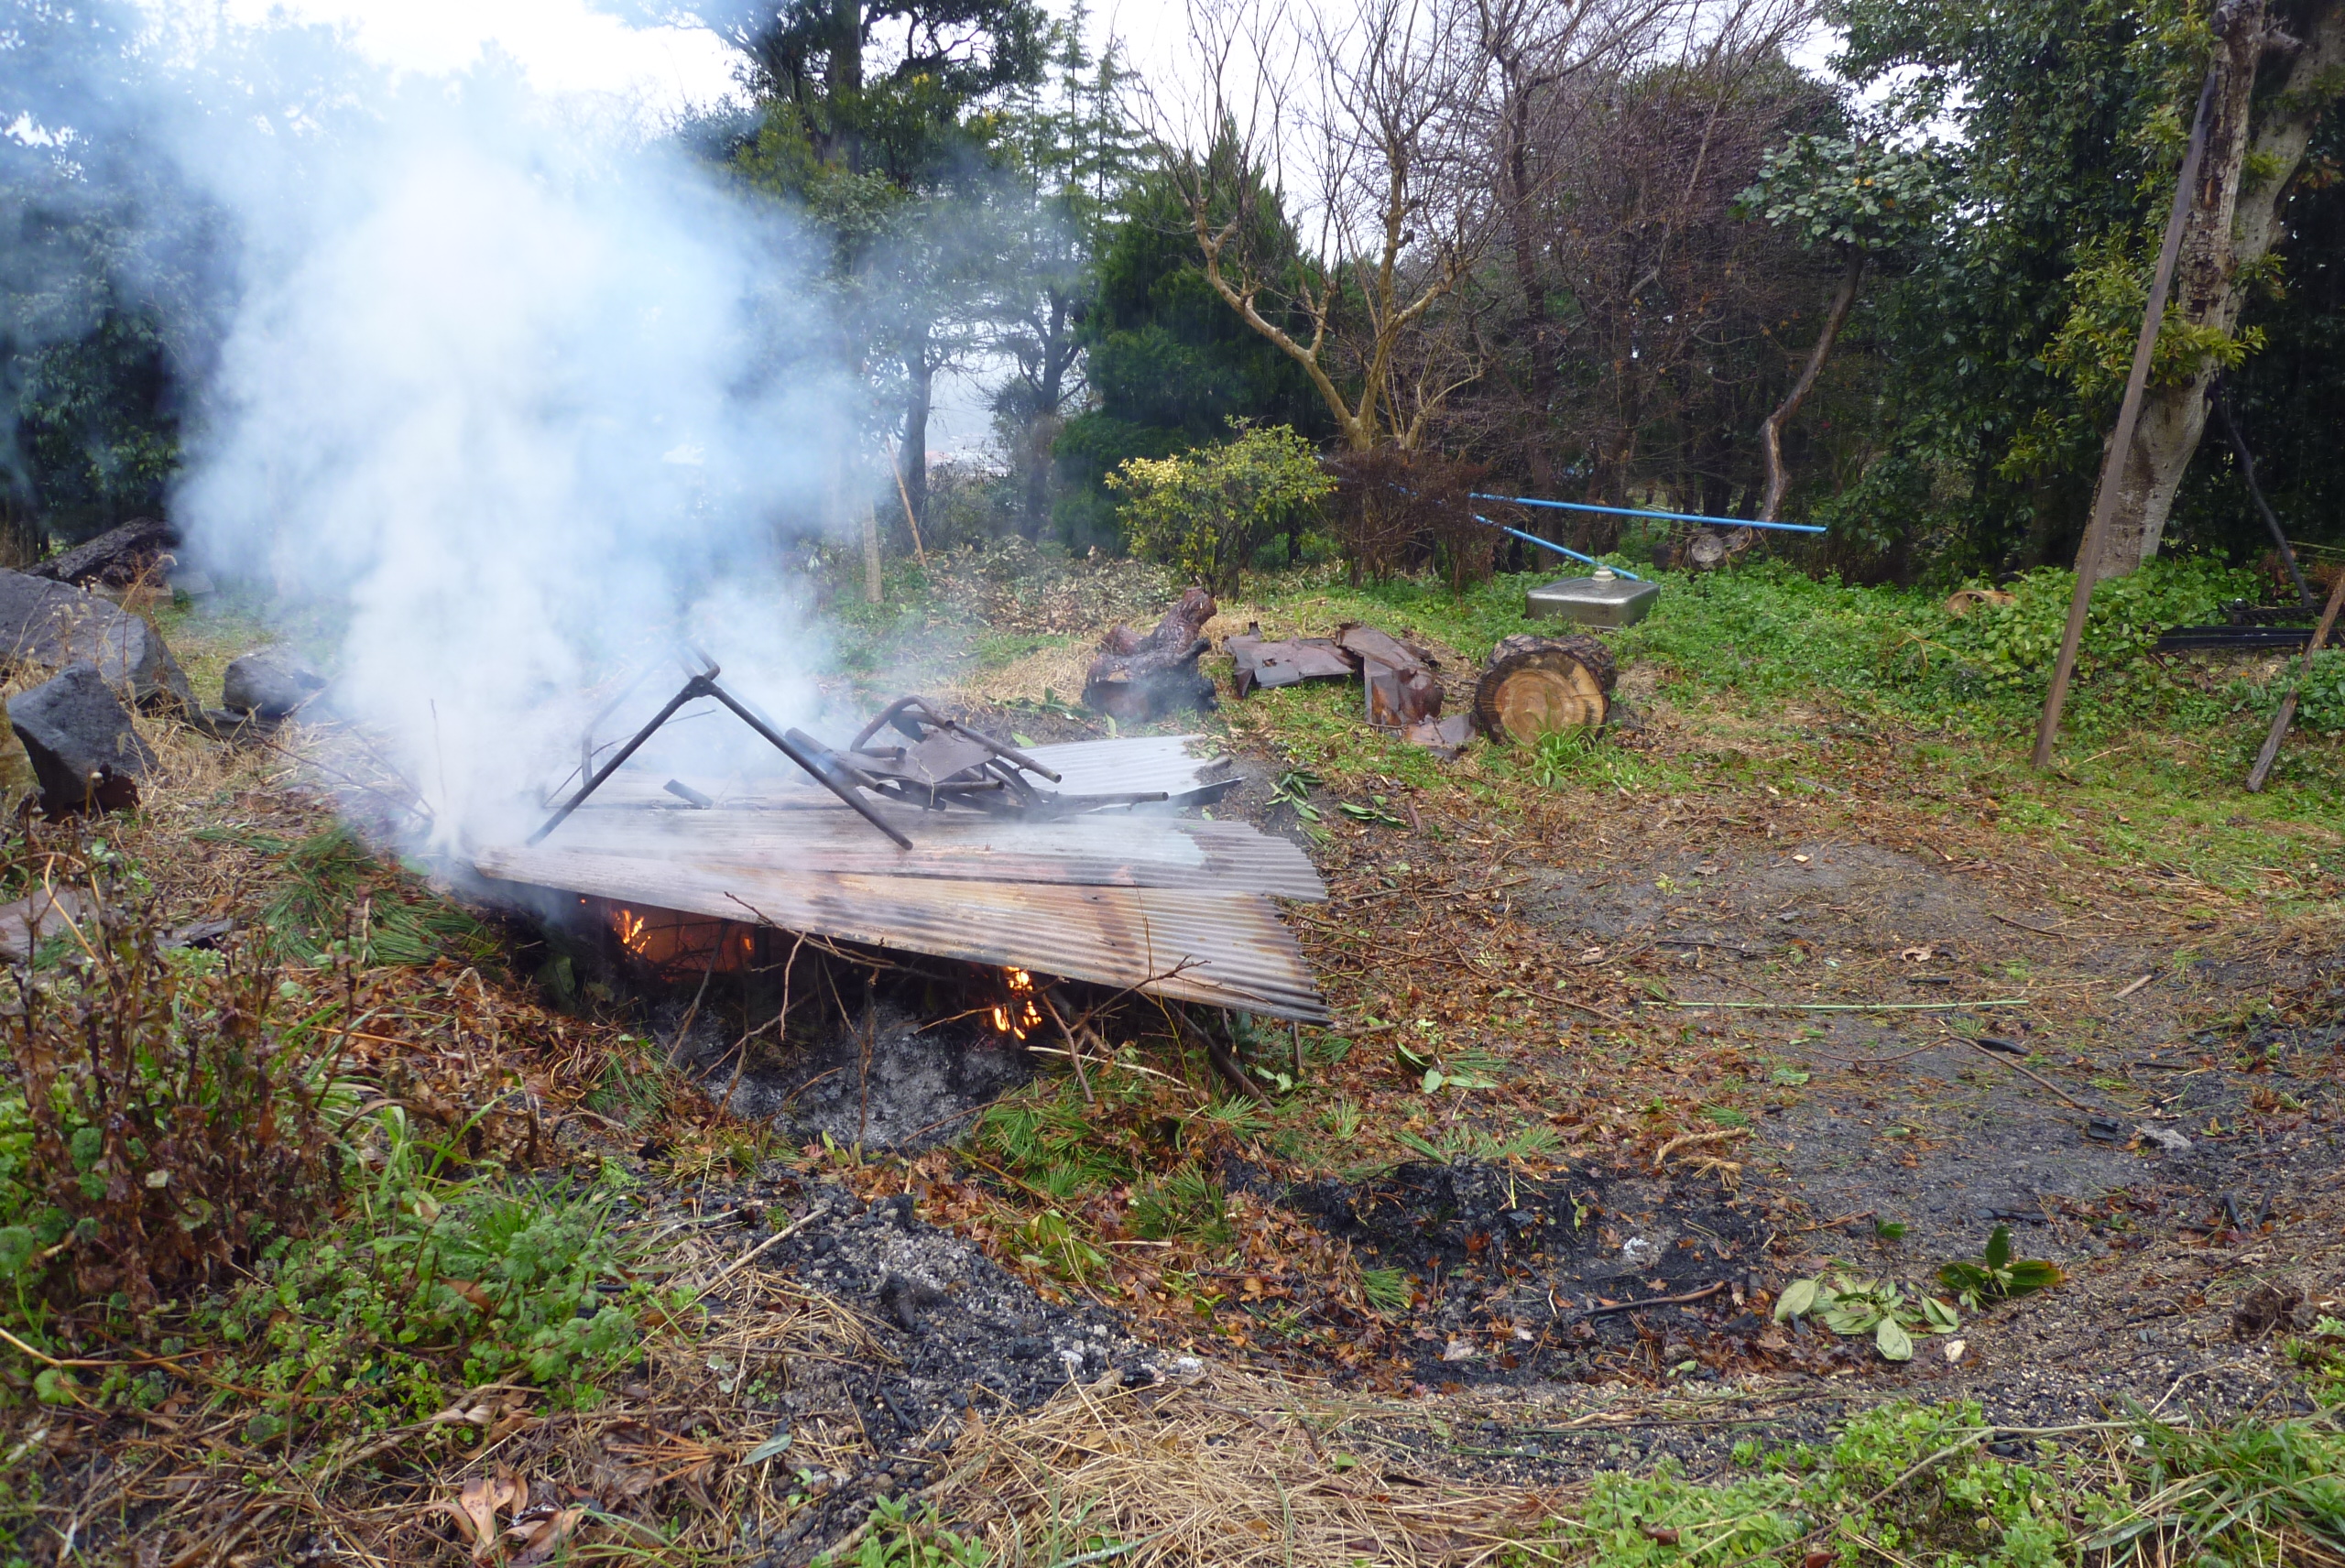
[1639, 512]
[1559, 549]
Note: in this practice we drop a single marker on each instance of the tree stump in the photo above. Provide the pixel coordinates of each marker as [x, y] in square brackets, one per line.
[1138, 678]
[1536, 685]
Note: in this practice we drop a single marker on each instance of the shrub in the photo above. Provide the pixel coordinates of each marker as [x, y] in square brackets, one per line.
[173, 1111]
[1395, 511]
[1207, 512]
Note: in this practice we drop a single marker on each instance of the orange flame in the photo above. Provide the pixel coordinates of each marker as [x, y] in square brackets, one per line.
[630, 926]
[1019, 1016]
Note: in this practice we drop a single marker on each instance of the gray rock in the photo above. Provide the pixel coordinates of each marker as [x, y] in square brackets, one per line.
[79, 738]
[268, 684]
[48, 625]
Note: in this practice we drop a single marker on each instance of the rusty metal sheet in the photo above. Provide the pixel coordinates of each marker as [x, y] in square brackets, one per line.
[1178, 905]
[1184, 944]
[1267, 663]
[1443, 737]
[1366, 642]
[1398, 698]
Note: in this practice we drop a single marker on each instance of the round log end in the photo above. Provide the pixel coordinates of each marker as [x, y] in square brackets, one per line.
[1537, 686]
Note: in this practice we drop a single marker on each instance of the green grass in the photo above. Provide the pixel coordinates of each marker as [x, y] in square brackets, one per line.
[1818, 673]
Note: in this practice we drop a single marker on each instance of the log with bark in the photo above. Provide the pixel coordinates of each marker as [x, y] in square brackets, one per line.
[1536, 686]
[115, 558]
[1138, 678]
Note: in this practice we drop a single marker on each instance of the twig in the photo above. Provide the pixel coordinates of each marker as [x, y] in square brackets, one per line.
[2039, 930]
[776, 1239]
[1997, 1056]
[1832, 1225]
[1073, 1046]
[1864, 1006]
[1705, 1293]
[2135, 987]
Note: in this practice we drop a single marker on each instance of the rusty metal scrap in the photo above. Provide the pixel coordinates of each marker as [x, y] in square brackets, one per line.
[1269, 664]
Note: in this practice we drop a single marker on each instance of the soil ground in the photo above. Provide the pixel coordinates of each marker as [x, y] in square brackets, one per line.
[1707, 1006]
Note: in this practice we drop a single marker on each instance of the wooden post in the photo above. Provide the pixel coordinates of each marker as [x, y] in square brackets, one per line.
[2287, 713]
[870, 550]
[2120, 442]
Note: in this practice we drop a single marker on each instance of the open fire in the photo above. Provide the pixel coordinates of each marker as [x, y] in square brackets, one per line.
[1018, 1016]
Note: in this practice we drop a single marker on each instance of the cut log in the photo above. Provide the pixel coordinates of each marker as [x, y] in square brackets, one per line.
[1138, 678]
[114, 558]
[1536, 686]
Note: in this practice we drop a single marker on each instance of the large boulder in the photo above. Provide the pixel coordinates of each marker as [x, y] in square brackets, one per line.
[83, 749]
[114, 558]
[48, 625]
[268, 684]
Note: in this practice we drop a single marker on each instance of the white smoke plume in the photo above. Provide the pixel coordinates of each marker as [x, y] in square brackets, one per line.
[508, 396]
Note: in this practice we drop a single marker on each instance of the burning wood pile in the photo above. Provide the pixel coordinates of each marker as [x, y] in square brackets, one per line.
[924, 836]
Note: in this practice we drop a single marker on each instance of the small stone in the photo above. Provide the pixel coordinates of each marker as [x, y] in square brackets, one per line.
[270, 684]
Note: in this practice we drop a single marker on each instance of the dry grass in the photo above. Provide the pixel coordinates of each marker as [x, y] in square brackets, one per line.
[1227, 1469]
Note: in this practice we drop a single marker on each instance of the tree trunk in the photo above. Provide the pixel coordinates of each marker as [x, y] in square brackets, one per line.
[923, 372]
[1771, 433]
[2231, 227]
[1058, 351]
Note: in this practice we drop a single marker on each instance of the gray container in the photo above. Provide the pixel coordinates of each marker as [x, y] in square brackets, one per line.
[1606, 599]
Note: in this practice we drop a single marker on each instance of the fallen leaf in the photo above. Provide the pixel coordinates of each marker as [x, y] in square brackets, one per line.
[545, 1536]
[1662, 1533]
[477, 1505]
[1916, 956]
[471, 1292]
[1458, 1350]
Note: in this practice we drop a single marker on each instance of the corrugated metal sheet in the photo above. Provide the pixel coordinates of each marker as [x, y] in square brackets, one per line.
[1175, 906]
[1118, 851]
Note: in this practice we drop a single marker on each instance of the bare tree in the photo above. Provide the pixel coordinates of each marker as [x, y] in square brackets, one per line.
[1664, 359]
[1535, 50]
[1389, 132]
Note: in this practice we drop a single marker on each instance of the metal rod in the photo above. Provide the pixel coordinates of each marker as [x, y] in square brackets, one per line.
[698, 686]
[1559, 549]
[2219, 395]
[810, 762]
[2287, 713]
[1641, 512]
[2120, 443]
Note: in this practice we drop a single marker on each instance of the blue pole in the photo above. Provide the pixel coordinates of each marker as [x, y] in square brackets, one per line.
[1559, 549]
[1639, 512]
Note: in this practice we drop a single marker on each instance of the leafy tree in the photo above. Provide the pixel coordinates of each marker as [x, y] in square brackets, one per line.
[1208, 511]
[1167, 364]
[882, 118]
[1995, 346]
[1071, 150]
[1858, 200]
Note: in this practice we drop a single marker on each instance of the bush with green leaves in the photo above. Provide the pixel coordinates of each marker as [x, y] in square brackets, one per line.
[2012, 647]
[1855, 1308]
[1207, 512]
